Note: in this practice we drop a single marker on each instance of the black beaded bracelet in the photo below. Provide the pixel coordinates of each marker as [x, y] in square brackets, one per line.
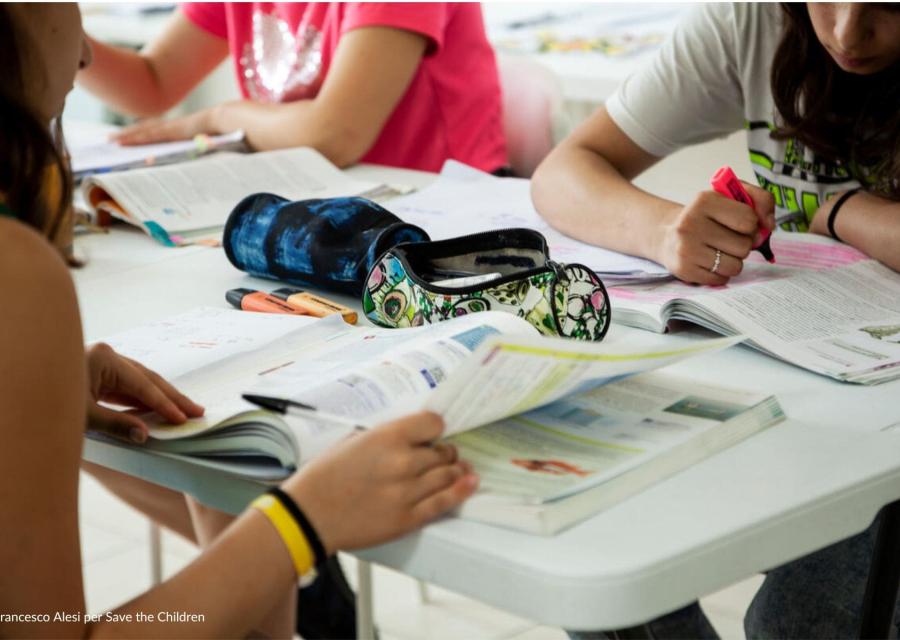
[834, 211]
[315, 543]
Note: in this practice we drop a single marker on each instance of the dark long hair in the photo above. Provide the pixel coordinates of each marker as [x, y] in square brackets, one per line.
[27, 147]
[844, 117]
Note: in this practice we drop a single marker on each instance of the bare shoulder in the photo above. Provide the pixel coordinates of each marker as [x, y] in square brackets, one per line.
[25, 255]
[42, 413]
[41, 350]
[34, 280]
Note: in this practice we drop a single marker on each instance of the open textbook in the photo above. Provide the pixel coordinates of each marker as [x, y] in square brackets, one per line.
[185, 203]
[464, 200]
[824, 306]
[483, 369]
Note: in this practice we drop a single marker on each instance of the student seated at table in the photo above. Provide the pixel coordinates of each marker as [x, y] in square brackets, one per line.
[406, 85]
[817, 90]
[369, 489]
[817, 87]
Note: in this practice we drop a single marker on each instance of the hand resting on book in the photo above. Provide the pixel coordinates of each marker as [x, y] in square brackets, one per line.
[116, 379]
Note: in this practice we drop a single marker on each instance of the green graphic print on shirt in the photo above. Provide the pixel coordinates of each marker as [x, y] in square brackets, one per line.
[797, 178]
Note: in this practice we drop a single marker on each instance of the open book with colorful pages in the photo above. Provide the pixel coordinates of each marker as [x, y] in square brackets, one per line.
[190, 202]
[824, 306]
[476, 370]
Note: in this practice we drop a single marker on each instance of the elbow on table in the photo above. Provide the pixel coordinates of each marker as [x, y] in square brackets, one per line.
[545, 190]
[343, 146]
[343, 139]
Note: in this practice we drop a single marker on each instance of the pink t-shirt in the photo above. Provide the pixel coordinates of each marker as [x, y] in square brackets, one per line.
[452, 109]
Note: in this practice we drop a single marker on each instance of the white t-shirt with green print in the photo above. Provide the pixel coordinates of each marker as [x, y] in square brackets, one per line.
[711, 78]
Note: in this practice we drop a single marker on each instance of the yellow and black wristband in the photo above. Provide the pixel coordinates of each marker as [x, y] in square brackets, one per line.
[320, 556]
[291, 534]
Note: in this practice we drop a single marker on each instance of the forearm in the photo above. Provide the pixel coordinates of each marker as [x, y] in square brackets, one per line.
[125, 80]
[371, 70]
[868, 223]
[580, 193]
[156, 79]
[295, 124]
[232, 586]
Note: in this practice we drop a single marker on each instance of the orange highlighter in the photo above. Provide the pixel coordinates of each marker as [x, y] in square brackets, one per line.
[314, 305]
[250, 300]
[725, 183]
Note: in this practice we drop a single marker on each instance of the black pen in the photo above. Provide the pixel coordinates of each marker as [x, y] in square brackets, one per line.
[286, 406]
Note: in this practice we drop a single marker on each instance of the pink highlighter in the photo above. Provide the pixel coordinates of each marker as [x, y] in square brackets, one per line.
[725, 183]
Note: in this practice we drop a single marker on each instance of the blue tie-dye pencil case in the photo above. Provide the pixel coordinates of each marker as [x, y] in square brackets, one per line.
[328, 244]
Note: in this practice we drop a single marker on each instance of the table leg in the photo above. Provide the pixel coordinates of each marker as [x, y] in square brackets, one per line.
[884, 577]
[365, 623]
[424, 595]
[156, 568]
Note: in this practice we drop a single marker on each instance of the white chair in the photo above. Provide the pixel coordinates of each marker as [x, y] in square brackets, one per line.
[534, 118]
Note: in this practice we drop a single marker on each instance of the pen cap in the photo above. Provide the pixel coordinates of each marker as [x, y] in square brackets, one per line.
[283, 293]
[234, 296]
[314, 305]
[726, 183]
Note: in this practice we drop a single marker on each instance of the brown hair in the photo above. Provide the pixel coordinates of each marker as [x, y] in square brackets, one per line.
[27, 148]
[844, 117]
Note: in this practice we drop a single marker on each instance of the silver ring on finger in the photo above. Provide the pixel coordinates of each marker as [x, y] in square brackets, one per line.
[716, 262]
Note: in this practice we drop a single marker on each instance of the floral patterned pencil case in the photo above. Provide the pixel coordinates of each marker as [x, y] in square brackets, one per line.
[509, 270]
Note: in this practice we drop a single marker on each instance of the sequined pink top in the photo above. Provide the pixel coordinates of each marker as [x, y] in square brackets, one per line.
[452, 109]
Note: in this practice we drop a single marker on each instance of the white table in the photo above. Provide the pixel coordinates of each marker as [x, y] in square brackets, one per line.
[811, 481]
[587, 78]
